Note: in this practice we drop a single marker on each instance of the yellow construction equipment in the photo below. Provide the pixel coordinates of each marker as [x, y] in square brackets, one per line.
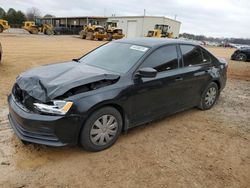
[160, 31]
[113, 32]
[3, 25]
[92, 32]
[32, 28]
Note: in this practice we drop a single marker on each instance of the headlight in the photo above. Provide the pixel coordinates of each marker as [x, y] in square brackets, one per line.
[56, 107]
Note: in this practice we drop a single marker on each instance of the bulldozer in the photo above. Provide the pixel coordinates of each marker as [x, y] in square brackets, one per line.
[160, 31]
[93, 31]
[32, 28]
[3, 25]
[113, 32]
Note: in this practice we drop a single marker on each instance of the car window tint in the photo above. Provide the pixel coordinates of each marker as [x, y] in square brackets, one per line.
[191, 55]
[163, 59]
[206, 56]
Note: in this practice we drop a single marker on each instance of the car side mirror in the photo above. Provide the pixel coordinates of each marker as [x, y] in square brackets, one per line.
[146, 72]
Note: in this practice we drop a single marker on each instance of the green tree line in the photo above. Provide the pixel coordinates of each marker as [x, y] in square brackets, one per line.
[12, 16]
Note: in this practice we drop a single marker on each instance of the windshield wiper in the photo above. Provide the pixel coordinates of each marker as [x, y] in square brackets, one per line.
[76, 60]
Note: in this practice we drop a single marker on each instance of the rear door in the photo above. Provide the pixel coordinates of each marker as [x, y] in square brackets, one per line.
[196, 64]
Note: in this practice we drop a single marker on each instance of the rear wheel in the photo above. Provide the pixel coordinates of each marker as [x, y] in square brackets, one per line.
[110, 37]
[241, 57]
[209, 96]
[90, 36]
[1, 29]
[48, 32]
[101, 130]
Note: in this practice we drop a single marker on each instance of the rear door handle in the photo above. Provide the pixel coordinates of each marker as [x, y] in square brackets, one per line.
[178, 79]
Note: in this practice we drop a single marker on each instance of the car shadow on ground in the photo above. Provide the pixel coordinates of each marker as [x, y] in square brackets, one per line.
[61, 152]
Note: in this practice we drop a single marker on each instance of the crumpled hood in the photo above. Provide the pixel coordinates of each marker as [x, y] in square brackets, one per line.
[50, 81]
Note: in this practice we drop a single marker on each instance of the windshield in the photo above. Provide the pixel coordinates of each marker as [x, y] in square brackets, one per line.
[116, 57]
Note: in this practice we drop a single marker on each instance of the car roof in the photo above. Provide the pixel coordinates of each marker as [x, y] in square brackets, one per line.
[245, 48]
[153, 42]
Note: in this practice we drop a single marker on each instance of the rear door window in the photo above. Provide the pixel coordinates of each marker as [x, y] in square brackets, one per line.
[192, 55]
[206, 56]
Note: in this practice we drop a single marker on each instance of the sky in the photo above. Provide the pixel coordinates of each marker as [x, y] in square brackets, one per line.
[215, 18]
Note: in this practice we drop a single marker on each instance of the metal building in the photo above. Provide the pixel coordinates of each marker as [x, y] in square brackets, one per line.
[71, 25]
[138, 26]
[132, 26]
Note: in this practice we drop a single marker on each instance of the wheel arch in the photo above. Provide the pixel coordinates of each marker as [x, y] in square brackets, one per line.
[217, 83]
[118, 107]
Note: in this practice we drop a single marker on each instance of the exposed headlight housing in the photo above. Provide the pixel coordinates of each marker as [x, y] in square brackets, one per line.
[58, 107]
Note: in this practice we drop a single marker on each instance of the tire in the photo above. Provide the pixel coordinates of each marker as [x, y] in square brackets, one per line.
[1, 29]
[241, 57]
[209, 96]
[90, 36]
[34, 31]
[110, 37]
[48, 32]
[82, 34]
[94, 136]
[25, 142]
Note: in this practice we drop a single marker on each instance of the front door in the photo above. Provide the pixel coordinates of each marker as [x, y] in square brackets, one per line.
[154, 97]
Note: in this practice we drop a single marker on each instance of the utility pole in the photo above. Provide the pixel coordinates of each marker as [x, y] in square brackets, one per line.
[142, 29]
[104, 12]
[175, 16]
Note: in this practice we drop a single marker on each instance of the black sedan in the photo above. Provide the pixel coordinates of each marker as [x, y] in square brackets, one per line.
[117, 86]
[242, 54]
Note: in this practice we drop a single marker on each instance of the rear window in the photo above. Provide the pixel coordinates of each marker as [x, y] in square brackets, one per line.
[192, 55]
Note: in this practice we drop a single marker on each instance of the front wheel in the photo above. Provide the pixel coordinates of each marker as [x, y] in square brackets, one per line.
[101, 130]
[209, 96]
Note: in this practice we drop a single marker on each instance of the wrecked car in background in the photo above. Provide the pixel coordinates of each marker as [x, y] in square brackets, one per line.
[115, 87]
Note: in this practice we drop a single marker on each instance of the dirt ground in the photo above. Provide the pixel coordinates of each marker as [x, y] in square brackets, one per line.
[190, 149]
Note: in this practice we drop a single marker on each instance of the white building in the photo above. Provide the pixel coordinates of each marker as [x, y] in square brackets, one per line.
[138, 26]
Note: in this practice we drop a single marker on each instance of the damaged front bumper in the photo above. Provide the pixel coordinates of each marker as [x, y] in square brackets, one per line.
[43, 129]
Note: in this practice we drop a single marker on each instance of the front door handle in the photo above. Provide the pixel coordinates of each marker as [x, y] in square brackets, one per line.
[178, 79]
[200, 73]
